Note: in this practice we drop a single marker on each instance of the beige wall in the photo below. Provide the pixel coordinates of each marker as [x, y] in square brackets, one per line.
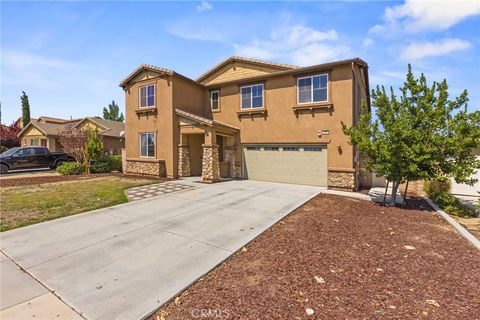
[281, 125]
[113, 145]
[161, 123]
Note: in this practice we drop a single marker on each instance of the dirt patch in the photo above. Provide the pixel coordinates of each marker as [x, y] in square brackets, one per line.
[344, 259]
[13, 182]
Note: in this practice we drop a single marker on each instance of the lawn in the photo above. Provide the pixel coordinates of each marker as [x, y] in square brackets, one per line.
[30, 204]
[340, 258]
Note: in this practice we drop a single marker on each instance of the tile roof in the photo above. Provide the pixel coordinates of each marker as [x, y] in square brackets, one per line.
[144, 67]
[202, 120]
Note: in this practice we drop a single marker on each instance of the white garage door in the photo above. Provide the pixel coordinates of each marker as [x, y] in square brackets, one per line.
[298, 164]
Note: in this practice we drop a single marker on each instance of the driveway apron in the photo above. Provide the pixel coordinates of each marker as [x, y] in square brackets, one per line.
[125, 261]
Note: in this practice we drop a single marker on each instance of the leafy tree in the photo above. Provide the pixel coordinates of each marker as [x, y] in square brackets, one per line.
[93, 148]
[112, 113]
[9, 136]
[420, 135]
[25, 109]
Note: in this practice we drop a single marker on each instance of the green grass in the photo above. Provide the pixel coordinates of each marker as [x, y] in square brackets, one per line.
[26, 205]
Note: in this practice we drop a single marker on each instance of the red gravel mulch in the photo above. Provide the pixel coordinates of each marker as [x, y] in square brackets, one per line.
[13, 182]
[344, 259]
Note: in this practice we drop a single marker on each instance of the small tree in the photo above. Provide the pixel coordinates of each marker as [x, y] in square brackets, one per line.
[421, 135]
[9, 136]
[93, 148]
[73, 142]
[113, 113]
[25, 109]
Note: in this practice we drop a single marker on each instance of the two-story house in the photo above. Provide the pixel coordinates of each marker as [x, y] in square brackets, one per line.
[249, 119]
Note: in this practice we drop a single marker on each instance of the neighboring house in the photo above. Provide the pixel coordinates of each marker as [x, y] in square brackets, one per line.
[248, 119]
[44, 132]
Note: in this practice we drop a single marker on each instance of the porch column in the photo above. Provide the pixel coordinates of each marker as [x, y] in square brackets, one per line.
[230, 156]
[210, 163]
[183, 157]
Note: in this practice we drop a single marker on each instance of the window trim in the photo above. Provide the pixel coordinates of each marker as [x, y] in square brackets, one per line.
[36, 142]
[218, 100]
[154, 145]
[311, 91]
[146, 92]
[251, 97]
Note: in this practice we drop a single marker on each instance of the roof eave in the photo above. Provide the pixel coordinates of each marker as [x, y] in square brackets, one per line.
[292, 71]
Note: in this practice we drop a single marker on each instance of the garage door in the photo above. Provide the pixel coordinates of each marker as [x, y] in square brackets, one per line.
[299, 164]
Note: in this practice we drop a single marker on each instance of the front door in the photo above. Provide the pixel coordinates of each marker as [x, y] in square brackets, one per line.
[195, 151]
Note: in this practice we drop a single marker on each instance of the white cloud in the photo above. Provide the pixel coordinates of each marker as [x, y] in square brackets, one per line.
[416, 15]
[299, 44]
[367, 42]
[23, 67]
[420, 50]
[204, 6]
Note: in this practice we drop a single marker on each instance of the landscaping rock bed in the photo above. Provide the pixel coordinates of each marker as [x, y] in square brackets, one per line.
[341, 258]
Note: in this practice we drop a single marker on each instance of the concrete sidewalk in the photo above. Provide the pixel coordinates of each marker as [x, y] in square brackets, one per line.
[125, 261]
[22, 297]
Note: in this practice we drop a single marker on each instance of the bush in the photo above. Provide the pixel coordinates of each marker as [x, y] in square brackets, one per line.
[116, 163]
[106, 164]
[434, 186]
[100, 166]
[70, 168]
[451, 204]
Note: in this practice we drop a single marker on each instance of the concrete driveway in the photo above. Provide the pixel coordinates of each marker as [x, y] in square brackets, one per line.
[125, 261]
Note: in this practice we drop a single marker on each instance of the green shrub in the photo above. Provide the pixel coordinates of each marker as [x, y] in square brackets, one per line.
[116, 162]
[433, 186]
[70, 168]
[106, 164]
[451, 204]
[101, 166]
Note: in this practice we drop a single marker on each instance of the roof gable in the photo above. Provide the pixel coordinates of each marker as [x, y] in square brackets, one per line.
[145, 71]
[238, 68]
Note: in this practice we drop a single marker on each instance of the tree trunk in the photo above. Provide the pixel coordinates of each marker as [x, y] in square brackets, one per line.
[395, 185]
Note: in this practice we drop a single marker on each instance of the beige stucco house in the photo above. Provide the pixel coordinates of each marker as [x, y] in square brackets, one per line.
[44, 132]
[248, 119]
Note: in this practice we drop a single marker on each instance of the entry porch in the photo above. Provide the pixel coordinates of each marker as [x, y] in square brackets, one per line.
[208, 148]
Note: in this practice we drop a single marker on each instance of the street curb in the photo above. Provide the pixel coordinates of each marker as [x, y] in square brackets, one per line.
[457, 226]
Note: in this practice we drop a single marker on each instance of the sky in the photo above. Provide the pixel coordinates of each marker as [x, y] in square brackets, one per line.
[69, 57]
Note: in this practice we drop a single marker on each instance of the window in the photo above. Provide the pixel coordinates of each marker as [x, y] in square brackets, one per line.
[312, 148]
[25, 152]
[291, 149]
[40, 151]
[34, 142]
[251, 97]
[312, 89]
[214, 103]
[147, 96]
[255, 148]
[147, 145]
[270, 148]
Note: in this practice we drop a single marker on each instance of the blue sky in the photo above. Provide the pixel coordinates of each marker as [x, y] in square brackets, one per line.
[70, 56]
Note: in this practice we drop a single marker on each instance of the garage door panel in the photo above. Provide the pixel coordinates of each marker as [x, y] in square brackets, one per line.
[301, 167]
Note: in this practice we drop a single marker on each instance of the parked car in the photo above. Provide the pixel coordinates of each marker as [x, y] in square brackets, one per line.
[31, 157]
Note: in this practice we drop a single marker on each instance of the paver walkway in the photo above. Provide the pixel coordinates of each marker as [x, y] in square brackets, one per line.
[153, 190]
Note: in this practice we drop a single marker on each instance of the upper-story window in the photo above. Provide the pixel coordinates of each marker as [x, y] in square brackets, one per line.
[251, 97]
[147, 96]
[214, 100]
[312, 89]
